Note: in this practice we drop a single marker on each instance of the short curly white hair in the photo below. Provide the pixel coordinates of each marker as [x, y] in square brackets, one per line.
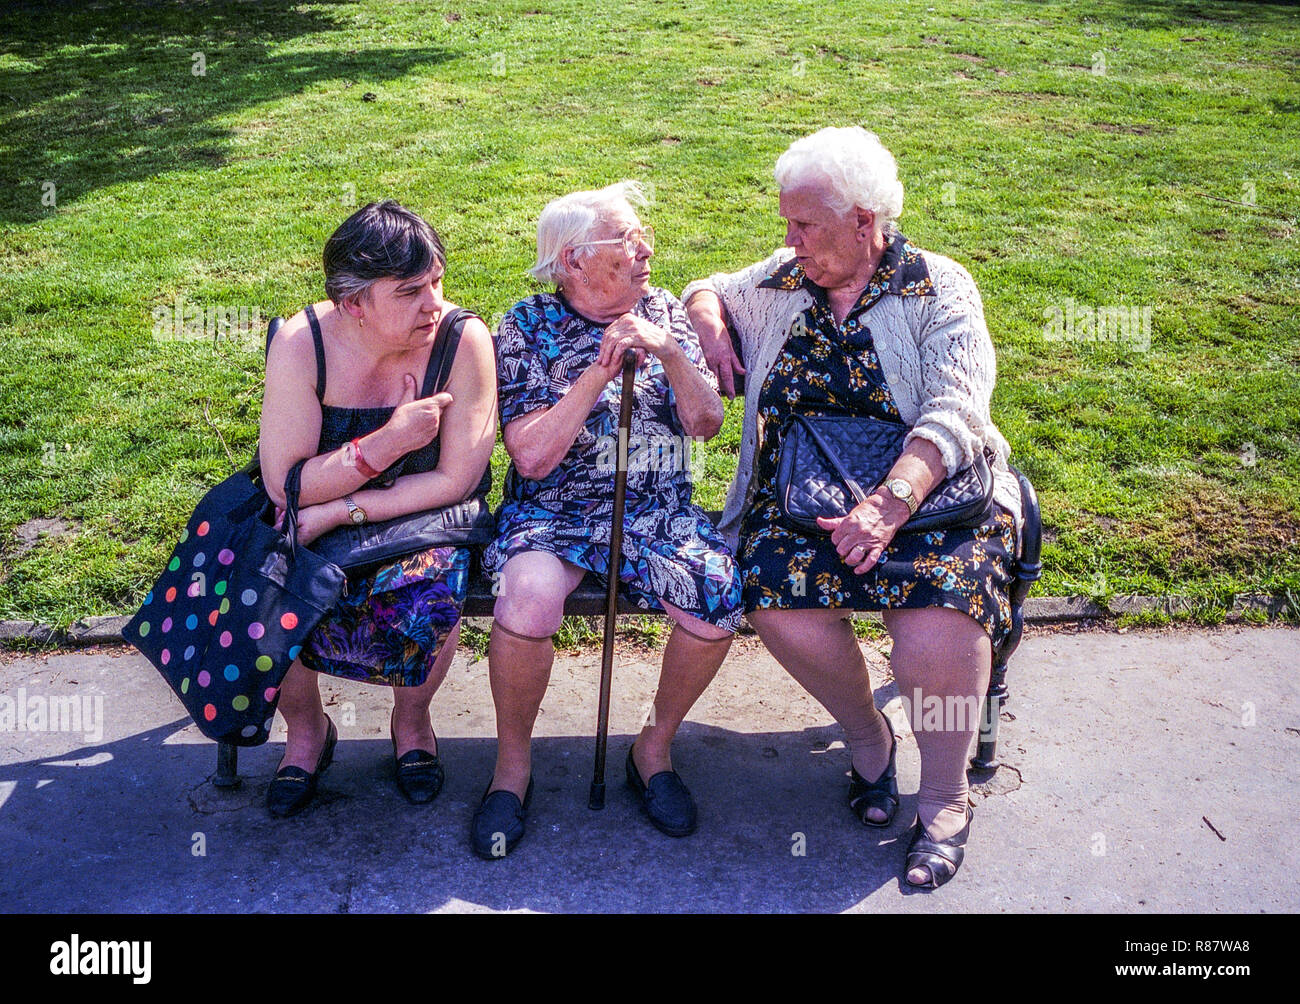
[853, 167]
[573, 218]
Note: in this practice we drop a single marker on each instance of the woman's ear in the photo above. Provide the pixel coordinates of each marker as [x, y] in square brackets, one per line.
[352, 305]
[866, 223]
[569, 259]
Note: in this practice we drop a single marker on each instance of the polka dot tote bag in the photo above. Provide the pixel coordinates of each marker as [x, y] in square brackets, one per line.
[228, 616]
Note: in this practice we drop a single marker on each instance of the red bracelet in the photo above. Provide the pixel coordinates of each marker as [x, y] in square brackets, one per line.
[360, 458]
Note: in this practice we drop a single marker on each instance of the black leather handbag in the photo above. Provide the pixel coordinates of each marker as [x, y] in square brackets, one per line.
[461, 524]
[830, 464]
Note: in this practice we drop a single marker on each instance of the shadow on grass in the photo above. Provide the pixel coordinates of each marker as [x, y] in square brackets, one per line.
[95, 94]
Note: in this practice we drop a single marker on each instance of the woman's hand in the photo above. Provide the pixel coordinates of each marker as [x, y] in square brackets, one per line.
[613, 344]
[708, 318]
[415, 421]
[644, 335]
[862, 536]
[314, 520]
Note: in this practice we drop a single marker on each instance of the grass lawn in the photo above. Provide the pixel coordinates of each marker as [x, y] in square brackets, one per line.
[1099, 155]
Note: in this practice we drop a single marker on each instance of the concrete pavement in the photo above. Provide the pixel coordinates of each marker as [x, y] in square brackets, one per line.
[1143, 772]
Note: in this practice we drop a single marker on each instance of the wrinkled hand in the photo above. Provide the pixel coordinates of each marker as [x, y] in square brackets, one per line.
[719, 356]
[313, 521]
[612, 346]
[644, 335]
[862, 536]
[415, 421]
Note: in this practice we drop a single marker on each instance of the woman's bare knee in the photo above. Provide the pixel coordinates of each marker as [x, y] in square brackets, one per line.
[531, 591]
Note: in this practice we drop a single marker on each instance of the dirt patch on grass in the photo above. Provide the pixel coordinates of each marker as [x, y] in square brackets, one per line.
[1205, 526]
[1124, 127]
[28, 534]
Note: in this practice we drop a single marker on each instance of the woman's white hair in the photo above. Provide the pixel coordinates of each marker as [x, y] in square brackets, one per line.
[573, 218]
[854, 169]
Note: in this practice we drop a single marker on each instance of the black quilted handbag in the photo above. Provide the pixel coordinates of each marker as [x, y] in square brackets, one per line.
[829, 464]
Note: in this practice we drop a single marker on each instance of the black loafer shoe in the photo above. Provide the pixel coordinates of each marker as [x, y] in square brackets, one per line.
[419, 773]
[293, 788]
[419, 776]
[499, 823]
[665, 800]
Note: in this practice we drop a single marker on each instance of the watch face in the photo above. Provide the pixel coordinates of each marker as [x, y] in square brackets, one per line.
[900, 488]
[358, 516]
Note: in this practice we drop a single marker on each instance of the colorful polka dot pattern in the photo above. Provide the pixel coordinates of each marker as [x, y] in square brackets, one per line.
[218, 654]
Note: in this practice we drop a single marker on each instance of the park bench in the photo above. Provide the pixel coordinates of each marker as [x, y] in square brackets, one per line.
[589, 599]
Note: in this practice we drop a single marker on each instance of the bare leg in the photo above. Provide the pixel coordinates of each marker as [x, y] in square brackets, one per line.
[818, 648]
[692, 656]
[528, 610]
[941, 659]
[304, 715]
[410, 721]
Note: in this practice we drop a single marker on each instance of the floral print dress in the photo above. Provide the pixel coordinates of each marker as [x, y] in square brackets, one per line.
[671, 550]
[831, 369]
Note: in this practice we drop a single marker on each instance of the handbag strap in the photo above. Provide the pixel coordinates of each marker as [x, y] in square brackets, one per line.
[858, 494]
[292, 486]
[438, 372]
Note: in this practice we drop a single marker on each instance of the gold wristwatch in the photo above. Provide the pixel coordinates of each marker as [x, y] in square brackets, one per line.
[355, 512]
[901, 489]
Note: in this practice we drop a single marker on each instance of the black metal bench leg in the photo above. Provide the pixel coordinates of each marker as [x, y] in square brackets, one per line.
[227, 775]
[986, 749]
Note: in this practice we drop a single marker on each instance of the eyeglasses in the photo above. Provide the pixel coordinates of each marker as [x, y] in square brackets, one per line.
[631, 241]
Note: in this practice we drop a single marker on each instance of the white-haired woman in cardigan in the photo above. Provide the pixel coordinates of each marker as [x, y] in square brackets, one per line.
[850, 318]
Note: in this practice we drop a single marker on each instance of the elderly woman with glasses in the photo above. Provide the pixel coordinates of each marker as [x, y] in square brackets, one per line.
[851, 319]
[559, 357]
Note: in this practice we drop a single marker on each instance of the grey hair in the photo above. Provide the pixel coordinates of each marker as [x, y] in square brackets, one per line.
[573, 218]
[382, 240]
[853, 167]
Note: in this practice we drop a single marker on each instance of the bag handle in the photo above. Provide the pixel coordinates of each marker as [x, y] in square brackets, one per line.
[292, 486]
[448, 342]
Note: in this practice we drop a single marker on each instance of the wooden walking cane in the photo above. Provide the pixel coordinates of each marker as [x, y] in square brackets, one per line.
[596, 800]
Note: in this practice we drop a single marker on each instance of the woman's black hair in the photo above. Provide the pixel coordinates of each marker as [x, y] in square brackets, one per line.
[383, 240]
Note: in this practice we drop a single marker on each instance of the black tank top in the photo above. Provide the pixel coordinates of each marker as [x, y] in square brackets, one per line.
[342, 425]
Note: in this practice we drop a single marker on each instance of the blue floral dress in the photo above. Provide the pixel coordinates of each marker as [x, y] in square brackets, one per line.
[828, 369]
[671, 550]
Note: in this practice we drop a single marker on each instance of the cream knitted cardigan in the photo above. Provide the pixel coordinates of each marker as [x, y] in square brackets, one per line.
[935, 352]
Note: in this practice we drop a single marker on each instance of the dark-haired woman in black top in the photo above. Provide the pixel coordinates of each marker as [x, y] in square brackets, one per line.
[348, 385]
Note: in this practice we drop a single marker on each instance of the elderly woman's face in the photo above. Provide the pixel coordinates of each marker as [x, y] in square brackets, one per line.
[827, 244]
[615, 279]
[405, 311]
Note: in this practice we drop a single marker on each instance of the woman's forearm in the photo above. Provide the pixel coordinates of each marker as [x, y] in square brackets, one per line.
[538, 441]
[699, 408]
